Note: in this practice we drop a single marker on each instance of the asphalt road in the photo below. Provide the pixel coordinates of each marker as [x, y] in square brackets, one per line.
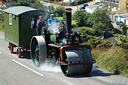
[21, 71]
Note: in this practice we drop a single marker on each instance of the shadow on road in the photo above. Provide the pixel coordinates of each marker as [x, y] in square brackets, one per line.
[94, 73]
[95, 70]
[24, 55]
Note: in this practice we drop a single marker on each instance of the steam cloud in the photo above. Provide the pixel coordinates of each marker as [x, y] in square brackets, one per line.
[50, 65]
[53, 28]
[64, 41]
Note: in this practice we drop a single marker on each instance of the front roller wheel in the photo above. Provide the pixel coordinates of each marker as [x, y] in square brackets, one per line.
[38, 50]
[81, 59]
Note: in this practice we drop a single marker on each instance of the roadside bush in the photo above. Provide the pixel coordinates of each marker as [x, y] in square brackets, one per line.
[104, 44]
[96, 42]
[112, 59]
[85, 30]
[122, 41]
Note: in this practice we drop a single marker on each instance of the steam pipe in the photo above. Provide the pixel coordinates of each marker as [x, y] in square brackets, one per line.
[68, 12]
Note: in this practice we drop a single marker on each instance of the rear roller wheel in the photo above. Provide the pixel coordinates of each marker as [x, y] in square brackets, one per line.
[38, 50]
[77, 57]
[19, 52]
[11, 47]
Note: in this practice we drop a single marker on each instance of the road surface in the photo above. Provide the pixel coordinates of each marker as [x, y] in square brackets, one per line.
[21, 71]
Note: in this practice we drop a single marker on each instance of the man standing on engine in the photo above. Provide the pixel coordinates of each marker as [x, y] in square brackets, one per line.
[40, 24]
[52, 19]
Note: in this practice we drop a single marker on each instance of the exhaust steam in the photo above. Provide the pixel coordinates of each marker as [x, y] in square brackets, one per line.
[53, 28]
[64, 41]
[50, 66]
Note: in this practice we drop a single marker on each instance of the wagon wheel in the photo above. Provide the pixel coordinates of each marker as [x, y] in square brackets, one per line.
[11, 47]
[77, 56]
[19, 52]
[38, 50]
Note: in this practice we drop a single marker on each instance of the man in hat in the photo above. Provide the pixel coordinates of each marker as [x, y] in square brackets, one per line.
[52, 19]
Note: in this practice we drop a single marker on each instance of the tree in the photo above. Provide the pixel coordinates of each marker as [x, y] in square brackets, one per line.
[80, 18]
[98, 29]
[59, 11]
[37, 5]
[89, 18]
[124, 28]
[100, 15]
[25, 2]
[31, 3]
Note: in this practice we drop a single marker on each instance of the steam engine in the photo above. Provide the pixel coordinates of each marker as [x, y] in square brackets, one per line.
[64, 47]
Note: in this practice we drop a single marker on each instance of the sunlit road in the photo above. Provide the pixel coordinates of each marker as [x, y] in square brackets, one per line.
[21, 71]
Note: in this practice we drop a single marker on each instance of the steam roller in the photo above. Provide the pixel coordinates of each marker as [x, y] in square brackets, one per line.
[73, 58]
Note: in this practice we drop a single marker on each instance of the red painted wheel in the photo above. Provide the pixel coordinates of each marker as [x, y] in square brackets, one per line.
[11, 47]
[19, 52]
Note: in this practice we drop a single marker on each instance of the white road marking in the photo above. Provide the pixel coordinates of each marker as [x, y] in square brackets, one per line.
[27, 67]
[0, 52]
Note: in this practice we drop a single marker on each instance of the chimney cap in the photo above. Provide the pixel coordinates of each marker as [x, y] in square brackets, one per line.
[68, 10]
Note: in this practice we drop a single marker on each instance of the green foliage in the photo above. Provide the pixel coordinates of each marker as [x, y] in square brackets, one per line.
[31, 3]
[59, 11]
[60, 18]
[113, 59]
[100, 16]
[64, 16]
[37, 5]
[74, 24]
[122, 41]
[80, 18]
[9, 0]
[1, 17]
[89, 19]
[85, 30]
[124, 28]
[79, 2]
[52, 9]
[95, 42]
[1, 26]
[98, 29]
[25, 2]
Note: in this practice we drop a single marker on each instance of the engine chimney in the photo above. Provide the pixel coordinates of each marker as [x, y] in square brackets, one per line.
[68, 12]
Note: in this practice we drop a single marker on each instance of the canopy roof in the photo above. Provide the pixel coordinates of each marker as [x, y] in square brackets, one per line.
[18, 10]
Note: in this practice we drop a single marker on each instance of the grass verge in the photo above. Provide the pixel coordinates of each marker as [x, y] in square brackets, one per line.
[114, 59]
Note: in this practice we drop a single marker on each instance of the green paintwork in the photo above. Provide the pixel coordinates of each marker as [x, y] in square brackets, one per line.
[53, 37]
[20, 32]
